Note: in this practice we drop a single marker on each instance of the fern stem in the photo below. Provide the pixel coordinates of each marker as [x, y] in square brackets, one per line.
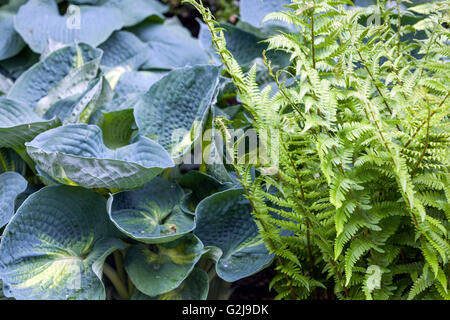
[427, 141]
[375, 84]
[313, 54]
[425, 121]
[399, 23]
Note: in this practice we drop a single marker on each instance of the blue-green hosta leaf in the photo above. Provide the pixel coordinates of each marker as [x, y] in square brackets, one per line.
[123, 49]
[132, 14]
[56, 244]
[65, 72]
[11, 185]
[157, 269]
[10, 41]
[254, 11]
[151, 214]
[19, 123]
[127, 82]
[194, 287]
[76, 155]
[170, 45]
[175, 107]
[39, 20]
[202, 186]
[228, 213]
[11, 161]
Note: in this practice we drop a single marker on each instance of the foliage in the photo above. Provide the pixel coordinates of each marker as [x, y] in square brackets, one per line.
[92, 192]
[358, 203]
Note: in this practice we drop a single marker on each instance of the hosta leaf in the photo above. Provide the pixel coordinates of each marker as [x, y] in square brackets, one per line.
[245, 46]
[76, 155]
[176, 106]
[64, 73]
[170, 45]
[202, 186]
[141, 9]
[254, 11]
[39, 20]
[10, 42]
[194, 287]
[79, 107]
[127, 82]
[158, 269]
[55, 245]
[123, 49]
[11, 185]
[228, 213]
[19, 123]
[151, 214]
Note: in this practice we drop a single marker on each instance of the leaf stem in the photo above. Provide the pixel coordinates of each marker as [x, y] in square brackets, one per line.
[120, 287]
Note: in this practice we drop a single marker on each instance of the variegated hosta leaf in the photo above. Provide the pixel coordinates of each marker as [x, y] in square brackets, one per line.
[56, 244]
[11, 185]
[228, 213]
[79, 107]
[194, 287]
[19, 123]
[157, 269]
[11, 161]
[10, 41]
[175, 107]
[202, 186]
[64, 73]
[170, 45]
[76, 155]
[151, 214]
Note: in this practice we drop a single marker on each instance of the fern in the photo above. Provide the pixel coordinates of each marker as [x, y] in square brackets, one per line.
[362, 141]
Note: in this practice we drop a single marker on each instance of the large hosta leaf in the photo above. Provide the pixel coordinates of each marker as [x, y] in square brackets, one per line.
[175, 107]
[56, 244]
[194, 287]
[19, 123]
[63, 73]
[170, 45]
[158, 269]
[39, 20]
[11, 185]
[151, 214]
[76, 155]
[224, 220]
